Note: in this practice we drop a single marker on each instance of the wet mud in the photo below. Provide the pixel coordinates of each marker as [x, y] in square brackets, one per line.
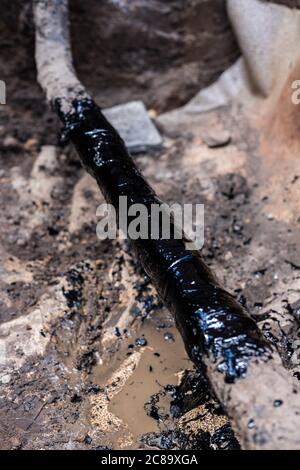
[67, 298]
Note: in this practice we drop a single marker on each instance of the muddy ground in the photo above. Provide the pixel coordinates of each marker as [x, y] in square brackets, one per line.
[89, 357]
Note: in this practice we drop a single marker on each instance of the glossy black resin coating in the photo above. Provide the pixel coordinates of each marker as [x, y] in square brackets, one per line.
[210, 320]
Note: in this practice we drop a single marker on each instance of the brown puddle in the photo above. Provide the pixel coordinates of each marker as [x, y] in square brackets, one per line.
[141, 373]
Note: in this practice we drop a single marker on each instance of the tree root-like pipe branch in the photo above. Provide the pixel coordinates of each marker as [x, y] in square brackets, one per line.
[245, 372]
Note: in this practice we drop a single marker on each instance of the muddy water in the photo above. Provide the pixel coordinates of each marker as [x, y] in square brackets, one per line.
[161, 362]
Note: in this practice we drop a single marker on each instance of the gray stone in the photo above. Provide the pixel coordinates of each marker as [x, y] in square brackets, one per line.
[217, 138]
[5, 379]
[134, 125]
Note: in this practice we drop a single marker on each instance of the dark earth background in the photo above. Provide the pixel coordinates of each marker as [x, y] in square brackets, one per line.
[162, 53]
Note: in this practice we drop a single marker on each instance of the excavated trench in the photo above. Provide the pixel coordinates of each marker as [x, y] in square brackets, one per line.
[89, 356]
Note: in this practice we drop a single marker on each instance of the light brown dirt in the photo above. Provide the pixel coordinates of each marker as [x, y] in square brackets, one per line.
[63, 292]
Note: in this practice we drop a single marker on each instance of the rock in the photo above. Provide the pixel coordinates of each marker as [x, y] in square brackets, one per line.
[217, 139]
[134, 125]
[152, 113]
[10, 142]
[5, 379]
[228, 256]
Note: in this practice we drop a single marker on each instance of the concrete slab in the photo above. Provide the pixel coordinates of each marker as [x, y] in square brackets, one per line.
[134, 125]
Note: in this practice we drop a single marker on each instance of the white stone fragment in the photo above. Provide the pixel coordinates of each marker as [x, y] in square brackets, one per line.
[134, 125]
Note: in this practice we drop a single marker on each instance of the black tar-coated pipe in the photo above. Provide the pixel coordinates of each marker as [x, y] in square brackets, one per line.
[210, 320]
